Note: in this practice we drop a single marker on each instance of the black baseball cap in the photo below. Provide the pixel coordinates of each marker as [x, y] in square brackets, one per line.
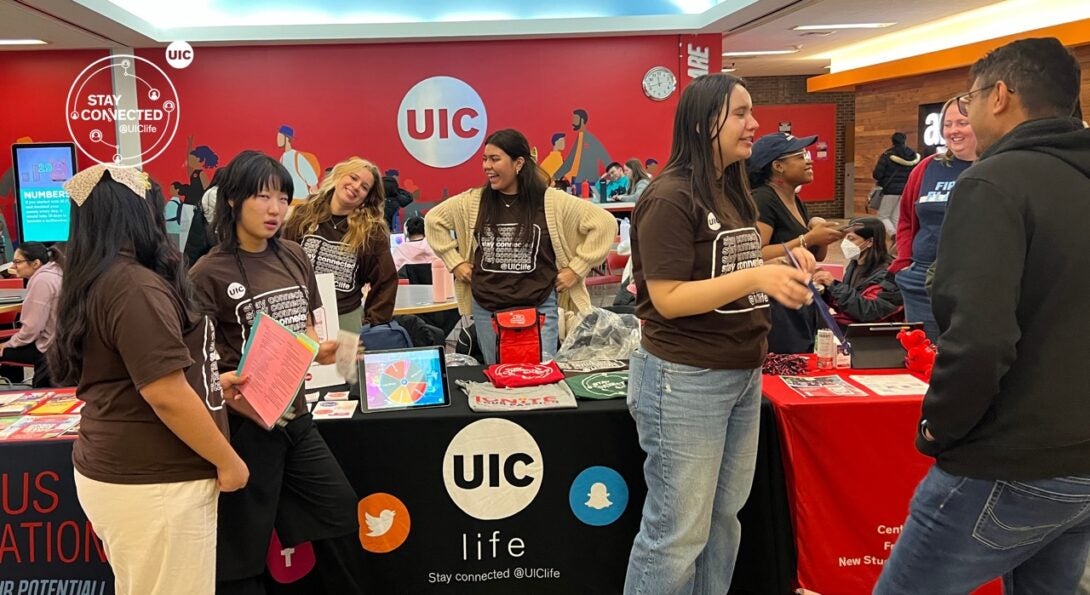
[771, 147]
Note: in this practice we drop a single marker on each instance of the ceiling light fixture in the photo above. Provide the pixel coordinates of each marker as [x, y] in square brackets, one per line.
[22, 42]
[842, 26]
[758, 53]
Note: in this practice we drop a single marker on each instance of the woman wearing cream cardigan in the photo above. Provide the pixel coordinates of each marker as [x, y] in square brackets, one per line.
[516, 243]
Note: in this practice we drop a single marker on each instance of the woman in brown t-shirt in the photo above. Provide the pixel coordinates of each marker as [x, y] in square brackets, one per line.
[695, 383]
[152, 447]
[296, 485]
[342, 230]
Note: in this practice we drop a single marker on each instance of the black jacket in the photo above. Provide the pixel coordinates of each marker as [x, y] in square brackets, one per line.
[891, 171]
[874, 297]
[1010, 395]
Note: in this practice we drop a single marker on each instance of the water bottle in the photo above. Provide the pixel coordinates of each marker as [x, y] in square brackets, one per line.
[825, 348]
[625, 228]
[439, 281]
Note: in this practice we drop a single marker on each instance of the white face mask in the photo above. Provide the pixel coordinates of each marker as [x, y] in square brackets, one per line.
[850, 250]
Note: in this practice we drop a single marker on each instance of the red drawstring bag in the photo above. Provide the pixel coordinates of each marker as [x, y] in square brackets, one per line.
[518, 335]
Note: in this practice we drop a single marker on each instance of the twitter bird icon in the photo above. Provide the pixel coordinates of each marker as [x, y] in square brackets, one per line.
[380, 525]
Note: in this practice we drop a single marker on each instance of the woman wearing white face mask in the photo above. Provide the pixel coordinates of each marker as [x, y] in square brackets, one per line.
[868, 292]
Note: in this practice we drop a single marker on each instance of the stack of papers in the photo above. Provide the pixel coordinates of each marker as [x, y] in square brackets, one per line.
[334, 409]
[39, 427]
[892, 385]
[20, 403]
[822, 386]
[275, 361]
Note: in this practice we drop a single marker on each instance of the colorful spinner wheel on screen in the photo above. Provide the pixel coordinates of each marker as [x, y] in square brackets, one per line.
[403, 382]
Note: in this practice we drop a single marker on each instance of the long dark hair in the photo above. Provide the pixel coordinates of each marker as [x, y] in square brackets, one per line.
[246, 175]
[877, 256]
[638, 173]
[696, 129]
[112, 220]
[531, 183]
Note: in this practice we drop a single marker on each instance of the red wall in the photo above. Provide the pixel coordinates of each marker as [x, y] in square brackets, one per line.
[807, 120]
[343, 100]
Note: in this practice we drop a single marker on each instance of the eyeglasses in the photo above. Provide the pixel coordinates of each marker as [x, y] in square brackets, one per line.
[19, 261]
[804, 154]
[964, 99]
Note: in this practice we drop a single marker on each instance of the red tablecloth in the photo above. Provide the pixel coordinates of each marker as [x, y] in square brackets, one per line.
[851, 468]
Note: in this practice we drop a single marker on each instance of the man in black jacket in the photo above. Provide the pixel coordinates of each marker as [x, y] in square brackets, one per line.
[1007, 415]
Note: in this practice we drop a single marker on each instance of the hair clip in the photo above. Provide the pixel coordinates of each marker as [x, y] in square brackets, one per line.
[80, 186]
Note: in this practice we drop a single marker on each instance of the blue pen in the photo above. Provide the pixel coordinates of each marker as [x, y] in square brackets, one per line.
[822, 307]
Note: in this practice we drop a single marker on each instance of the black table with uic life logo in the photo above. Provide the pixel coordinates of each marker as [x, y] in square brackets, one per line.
[510, 523]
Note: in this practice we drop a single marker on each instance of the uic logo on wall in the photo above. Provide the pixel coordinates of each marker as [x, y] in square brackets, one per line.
[442, 121]
[493, 469]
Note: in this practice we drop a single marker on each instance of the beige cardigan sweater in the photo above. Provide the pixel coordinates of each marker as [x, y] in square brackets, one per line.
[582, 234]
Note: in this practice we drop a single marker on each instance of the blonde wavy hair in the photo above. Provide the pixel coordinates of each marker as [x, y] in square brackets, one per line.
[365, 223]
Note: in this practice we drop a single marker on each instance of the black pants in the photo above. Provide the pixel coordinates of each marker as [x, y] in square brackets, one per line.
[296, 487]
[26, 354]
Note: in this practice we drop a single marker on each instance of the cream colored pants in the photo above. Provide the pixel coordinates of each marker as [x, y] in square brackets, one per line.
[160, 538]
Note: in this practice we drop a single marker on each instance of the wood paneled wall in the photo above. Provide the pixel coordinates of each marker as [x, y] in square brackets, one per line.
[886, 107]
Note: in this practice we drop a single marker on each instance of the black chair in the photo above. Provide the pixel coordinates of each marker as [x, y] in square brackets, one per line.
[418, 274]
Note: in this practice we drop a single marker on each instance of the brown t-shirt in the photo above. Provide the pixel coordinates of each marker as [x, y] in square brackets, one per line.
[236, 286]
[138, 332]
[373, 263]
[676, 239]
[508, 272]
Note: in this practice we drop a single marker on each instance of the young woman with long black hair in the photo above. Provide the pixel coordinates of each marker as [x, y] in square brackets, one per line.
[695, 382]
[152, 454]
[342, 230]
[518, 243]
[296, 486]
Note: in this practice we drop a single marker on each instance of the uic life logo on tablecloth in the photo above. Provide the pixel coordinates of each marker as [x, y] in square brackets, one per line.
[493, 469]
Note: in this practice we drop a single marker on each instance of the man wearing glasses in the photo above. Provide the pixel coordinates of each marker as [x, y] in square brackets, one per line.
[1006, 417]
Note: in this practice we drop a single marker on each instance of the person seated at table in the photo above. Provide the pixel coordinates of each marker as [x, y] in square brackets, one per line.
[342, 231]
[414, 250]
[637, 178]
[296, 485]
[517, 243]
[38, 318]
[152, 455]
[613, 183]
[868, 292]
[780, 164]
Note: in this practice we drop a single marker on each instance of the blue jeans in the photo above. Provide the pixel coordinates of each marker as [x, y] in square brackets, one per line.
[550, 333]
[699, 429]
[917, 302]
[962, 533]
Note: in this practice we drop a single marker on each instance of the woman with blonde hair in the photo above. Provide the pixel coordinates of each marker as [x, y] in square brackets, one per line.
[342, 229]
[923, 209]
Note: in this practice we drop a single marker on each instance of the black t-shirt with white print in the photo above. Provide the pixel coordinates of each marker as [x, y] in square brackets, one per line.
[675, 239]
[508, 272]
[278, 282]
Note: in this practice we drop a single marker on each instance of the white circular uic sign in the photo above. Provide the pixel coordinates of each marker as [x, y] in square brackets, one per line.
[493, 469]
[442, 121]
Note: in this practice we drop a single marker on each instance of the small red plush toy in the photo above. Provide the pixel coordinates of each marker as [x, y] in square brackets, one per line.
[921, 352]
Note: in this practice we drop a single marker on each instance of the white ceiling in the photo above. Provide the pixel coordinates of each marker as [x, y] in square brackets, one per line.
[745, 24]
